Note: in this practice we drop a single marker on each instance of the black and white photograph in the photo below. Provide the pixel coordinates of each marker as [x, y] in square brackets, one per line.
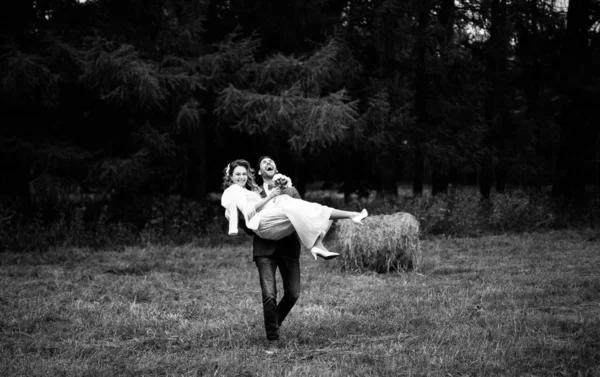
[300, 188]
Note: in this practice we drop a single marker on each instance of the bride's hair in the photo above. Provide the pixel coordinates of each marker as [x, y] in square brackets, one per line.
[228, 171]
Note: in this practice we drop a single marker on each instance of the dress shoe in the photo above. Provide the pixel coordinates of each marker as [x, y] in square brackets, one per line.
[322, 253]
[358, 219]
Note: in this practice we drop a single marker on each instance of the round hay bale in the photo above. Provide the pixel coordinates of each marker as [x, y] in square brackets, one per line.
[384, 243]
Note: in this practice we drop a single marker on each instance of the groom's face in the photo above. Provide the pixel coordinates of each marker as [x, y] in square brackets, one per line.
[267, 168]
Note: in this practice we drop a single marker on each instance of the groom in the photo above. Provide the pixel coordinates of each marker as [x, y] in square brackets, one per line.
[269, 255]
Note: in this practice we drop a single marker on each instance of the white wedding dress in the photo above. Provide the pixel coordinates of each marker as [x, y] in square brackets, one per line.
[279, 218]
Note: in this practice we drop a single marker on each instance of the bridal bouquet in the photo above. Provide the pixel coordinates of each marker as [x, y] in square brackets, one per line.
[282, 181]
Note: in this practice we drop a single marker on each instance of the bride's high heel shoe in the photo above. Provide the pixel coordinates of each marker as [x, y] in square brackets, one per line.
[323, 253]
[358, 219]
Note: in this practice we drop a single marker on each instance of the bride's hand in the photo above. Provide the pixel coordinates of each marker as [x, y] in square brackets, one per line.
[275, 192]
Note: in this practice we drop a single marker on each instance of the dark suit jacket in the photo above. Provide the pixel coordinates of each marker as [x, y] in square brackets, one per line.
[286, 246]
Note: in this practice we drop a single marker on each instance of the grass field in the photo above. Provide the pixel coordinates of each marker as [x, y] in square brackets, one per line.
[511, 305]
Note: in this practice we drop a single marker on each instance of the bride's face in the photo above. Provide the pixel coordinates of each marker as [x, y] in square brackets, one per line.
[240, 176]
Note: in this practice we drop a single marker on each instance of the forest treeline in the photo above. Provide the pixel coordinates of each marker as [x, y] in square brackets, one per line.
[132, 98]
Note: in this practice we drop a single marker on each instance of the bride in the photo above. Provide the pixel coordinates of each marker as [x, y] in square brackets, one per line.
[278, 215]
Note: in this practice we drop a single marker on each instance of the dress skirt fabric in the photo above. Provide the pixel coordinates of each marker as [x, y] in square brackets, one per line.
[285, 214]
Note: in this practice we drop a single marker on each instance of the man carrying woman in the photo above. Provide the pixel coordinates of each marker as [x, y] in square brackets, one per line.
[276, 242]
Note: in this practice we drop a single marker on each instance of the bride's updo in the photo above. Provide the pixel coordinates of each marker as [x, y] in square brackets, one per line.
[228, 172]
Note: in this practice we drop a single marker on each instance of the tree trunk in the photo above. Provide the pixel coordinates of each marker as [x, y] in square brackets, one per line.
[419, 172]
[529, 52]
[496, 70]
[196, 177]
[569, 175]
[349, 174]
[569, 181]
[446, 18]
[388, 174]
[197, 173]
[421, 95]
[441, 170]
[501, 177]
[486, 176]
[299, 173]
[440, 179]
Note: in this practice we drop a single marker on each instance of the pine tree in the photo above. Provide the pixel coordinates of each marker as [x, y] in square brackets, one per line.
[100, 112]
[284, 94]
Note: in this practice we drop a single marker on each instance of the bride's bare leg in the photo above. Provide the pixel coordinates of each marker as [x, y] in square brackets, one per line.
[356, 217]
[338, 214]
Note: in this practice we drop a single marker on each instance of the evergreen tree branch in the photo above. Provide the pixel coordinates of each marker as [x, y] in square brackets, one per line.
[311, 72]
[26, 78]
[120, 76]
[189, 115]
[314, 122]
[125, 173]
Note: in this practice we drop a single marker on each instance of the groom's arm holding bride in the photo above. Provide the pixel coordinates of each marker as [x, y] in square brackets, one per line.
[285, 188]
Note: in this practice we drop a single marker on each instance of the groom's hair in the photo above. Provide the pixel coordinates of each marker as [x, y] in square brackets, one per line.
[262, 158]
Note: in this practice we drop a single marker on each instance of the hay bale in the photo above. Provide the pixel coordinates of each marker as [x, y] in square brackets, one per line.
[384, 243]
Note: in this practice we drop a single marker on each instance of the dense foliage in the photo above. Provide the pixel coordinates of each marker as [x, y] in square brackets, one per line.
[119, 103]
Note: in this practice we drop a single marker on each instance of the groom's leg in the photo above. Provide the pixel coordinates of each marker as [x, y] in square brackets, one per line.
[266, 273]
[289, 268]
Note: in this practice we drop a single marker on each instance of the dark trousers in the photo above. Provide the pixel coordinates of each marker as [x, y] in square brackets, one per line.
[289, 268]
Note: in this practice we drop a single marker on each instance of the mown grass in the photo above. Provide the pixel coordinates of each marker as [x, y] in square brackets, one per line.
[520, 305]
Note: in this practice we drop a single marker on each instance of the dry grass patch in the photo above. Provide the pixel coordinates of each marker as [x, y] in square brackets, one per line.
[502, 305]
